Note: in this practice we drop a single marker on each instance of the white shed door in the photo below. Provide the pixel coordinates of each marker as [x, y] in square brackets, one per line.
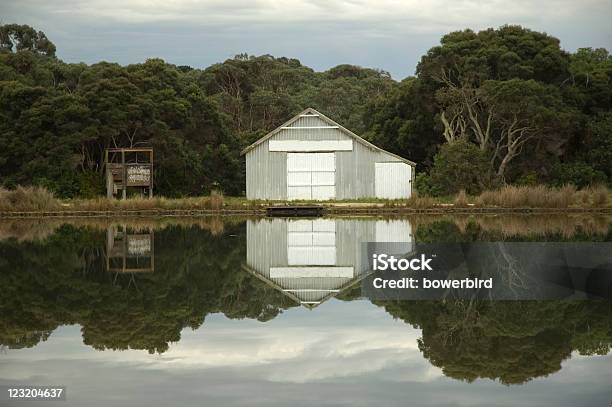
[311, 242]
[311, 176]
[393, 180]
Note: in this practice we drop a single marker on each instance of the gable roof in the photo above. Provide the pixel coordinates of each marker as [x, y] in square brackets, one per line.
[296, 298]
[331, 123]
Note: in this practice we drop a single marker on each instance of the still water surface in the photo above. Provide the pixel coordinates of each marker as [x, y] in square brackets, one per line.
[206, 312]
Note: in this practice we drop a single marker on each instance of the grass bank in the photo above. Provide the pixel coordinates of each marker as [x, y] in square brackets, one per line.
[37, 200]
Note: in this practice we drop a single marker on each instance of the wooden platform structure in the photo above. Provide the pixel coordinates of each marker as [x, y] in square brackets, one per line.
[296, 210]
[126, 168]
[129, 251]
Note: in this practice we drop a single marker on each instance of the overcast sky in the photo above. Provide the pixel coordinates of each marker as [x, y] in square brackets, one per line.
[387, 34]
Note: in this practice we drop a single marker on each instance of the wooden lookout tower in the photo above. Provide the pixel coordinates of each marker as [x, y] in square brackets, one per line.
[128, 168]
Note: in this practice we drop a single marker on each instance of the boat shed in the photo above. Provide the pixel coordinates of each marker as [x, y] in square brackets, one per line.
[311, 157]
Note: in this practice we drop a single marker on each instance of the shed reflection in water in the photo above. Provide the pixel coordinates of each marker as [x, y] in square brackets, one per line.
[312, 260]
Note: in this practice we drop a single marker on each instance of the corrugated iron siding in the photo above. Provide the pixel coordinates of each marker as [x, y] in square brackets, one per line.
[266, 176]
[267, 247]
[309, 121]
[267, 243]
[266, 173]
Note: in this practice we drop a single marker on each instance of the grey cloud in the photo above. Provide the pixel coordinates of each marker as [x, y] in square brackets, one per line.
[385, 34]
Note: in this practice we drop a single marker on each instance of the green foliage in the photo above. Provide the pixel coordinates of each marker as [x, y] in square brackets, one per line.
[404, 122]
[590, 72]
[577, 173]
[54, 133]
[90, 184]
[510, 52]
[424, 185]
[528, 179]
[460, 165]
[25, 38]
[529, 119]
[260, 93]
[599, 151]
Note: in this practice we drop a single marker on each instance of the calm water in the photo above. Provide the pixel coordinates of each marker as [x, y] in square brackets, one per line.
[202, 312]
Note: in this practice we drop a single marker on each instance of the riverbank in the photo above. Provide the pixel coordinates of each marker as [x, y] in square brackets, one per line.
[38, 202]
[329, 210]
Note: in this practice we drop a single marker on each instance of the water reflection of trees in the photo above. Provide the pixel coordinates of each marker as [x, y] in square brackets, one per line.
[62, 279]
[513, 342]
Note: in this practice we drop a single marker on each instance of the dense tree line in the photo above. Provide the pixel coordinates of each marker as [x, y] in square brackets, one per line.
[522, 110]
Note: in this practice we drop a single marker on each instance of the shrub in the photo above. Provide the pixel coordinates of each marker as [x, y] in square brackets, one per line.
[541, 196]
[577, 173]
[28, 199]
[461, 200]
[530, 178]
[91, 184]
[600, 144]
[460, 165]
[420, 202]
[599, 195]
[216, 200]
[424, 186]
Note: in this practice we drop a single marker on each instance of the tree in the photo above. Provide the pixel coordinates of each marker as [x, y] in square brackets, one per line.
[590, 74]
[503, 117]
[513, 342]
[15, 37]
[403, 122]
[599, 147]
[577, 173]
[460, 165]
[465, 112]
[509, 52]
[523, 112]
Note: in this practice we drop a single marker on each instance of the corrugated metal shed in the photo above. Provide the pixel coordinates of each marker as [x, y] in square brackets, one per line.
[313, 157]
